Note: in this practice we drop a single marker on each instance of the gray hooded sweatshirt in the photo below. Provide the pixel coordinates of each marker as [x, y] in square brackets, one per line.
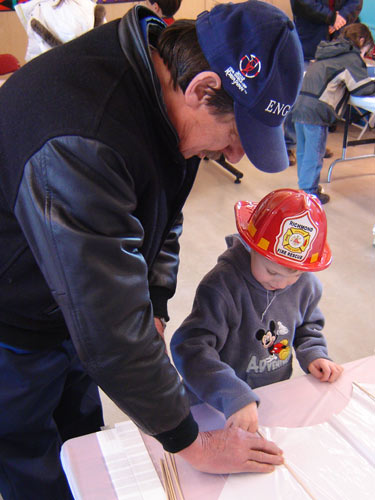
[337, 72]
[240, 336]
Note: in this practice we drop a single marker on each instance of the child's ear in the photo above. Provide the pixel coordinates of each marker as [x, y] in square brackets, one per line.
[197, 92]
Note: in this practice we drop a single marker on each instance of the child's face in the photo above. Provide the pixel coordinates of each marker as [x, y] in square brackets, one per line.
[271, 275]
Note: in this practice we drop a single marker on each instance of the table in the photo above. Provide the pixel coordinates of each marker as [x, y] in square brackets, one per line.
[300, 401]
[367, 103]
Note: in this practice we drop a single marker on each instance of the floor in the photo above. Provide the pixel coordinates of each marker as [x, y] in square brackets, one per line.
[349, 283]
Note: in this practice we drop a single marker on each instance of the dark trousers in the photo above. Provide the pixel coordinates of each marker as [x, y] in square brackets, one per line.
[45, 398]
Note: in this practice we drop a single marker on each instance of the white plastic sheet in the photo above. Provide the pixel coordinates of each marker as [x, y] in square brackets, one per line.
[332, 461]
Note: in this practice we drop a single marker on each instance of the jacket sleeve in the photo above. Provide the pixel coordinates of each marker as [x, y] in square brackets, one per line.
[75, 206]
[163, 275]
[195, 348]
[314, 11]
[309, 342]
[350, 10]
[356, 77]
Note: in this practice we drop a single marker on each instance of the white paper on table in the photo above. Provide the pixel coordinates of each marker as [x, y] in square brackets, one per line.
[334, 460]
[128, 463]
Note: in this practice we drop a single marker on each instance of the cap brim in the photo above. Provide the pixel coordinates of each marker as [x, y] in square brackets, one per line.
[263, 145]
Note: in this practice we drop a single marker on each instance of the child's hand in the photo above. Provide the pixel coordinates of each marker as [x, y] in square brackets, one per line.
[325, 370]
[246, 418]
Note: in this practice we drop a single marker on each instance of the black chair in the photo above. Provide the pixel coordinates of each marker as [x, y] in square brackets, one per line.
[230, 168]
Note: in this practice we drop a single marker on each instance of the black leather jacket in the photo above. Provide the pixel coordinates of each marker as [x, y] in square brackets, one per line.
[92, 187]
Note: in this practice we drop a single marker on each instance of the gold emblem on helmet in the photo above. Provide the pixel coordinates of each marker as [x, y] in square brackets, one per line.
[296, 240]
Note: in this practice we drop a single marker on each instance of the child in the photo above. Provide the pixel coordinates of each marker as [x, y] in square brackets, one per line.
[165, 9]
[260, 300]
[338, 69]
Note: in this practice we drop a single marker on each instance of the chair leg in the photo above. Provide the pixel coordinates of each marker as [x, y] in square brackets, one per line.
[238, 175]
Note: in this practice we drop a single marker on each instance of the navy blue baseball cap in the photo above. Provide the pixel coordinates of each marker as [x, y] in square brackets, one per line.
[254, 48]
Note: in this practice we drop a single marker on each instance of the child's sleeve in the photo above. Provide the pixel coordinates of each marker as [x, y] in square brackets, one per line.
[350, 10]
[195, 348]
[309, 342]
[356, 78]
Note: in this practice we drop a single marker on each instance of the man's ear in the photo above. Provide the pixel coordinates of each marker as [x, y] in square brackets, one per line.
[197, 91]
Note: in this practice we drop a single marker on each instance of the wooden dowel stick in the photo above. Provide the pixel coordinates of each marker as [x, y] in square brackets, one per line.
[165, 482]
[170, 481]
[299, 481]
[173, 461]
[291, 471]
[364, 390]
[175, 474]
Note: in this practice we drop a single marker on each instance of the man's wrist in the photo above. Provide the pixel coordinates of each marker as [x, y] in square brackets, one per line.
[180, 437]
[163, 321]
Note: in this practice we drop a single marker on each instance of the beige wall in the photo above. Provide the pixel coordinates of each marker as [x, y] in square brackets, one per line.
[13, 38]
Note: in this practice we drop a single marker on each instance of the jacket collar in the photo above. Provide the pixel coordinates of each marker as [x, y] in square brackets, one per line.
[134, 27]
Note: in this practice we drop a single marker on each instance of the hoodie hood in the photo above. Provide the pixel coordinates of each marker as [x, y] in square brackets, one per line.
[336, 48]
[238, 255]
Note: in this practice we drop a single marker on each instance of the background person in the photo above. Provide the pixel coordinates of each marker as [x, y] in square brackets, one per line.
[318, 20]
[49, 23]
[258, 303]
[100, 145]
[165, 9]
[338, 70]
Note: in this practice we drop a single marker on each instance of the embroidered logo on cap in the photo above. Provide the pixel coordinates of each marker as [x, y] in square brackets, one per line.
[237, 79]
[295, 238]
[250, 66]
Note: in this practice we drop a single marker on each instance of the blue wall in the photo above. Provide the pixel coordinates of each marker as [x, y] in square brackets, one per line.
[367, 15]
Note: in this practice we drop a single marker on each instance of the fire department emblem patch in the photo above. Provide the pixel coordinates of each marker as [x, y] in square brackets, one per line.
[295, 238]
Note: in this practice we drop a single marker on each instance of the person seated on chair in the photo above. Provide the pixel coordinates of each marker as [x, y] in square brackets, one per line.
[338, 70]
[258, 303]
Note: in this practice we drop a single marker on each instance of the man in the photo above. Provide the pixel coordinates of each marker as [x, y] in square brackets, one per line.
[100, 144]
[318, 20]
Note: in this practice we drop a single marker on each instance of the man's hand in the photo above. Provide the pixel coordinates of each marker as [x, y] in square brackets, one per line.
[232, 450]
[246, 418]
[325, 370]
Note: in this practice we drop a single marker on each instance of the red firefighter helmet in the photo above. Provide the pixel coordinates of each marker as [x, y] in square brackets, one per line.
[288, 226]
